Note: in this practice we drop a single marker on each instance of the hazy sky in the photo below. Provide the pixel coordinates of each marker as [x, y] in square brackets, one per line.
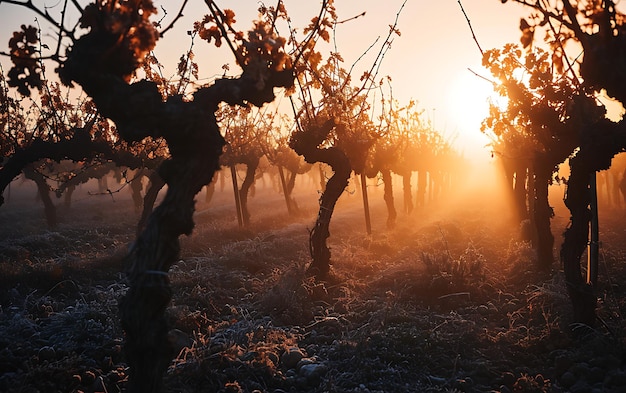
[429, 62]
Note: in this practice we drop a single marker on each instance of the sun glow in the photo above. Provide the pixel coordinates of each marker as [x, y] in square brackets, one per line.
[468, 104]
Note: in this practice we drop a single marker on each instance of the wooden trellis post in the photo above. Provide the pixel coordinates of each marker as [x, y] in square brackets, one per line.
[366, 205]
[233, 173]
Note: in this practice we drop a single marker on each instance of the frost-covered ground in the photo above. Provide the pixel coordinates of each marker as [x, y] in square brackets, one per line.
[447, 301]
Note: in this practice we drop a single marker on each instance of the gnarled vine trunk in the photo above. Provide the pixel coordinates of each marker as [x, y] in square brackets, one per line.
[195, 144]
[542, 215]
[306, 144]
[599, 143]
[43, 190]
[252, 163]
[334, 188]
[388, 197]
[575, 240]
[288, 184]
[521, 190]
[156, 249]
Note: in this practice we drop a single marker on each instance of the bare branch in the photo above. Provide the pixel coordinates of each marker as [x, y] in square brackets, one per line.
[363, 55]
[349, 19]
[471, 29]
[482, 77]
[176, 18]
[571, 13]
[220, 24]
[58, 48]
[43, 13]
[572, 25]
[569, 64]
[383, 50]
[312, 33]
[78, 6]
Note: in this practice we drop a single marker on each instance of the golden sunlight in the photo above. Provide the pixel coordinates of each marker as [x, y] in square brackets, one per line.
[468, 101]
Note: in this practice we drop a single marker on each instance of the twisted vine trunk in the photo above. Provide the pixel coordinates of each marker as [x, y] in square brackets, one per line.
[101, 62]
[195, 145]
[521, 191]
[600, 142]
[291, 184]
[43, 190]
[252, 163]
[335, 186]
[575, 240]
[306, 143]
[286, 192]
[388, 197]
[156, 249]
[542, 215]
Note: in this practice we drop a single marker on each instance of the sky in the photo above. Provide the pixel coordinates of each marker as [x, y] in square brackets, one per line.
[430, 62]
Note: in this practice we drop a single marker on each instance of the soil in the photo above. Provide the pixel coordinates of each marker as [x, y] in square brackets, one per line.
[447, 301]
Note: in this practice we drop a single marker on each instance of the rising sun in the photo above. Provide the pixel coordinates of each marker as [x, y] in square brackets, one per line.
[468, 104]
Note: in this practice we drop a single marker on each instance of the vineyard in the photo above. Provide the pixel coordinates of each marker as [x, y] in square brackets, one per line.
[448, 300]
[289, 224]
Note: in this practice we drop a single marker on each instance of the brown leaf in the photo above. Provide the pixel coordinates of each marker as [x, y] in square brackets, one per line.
[523, 25]
[527, 38]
